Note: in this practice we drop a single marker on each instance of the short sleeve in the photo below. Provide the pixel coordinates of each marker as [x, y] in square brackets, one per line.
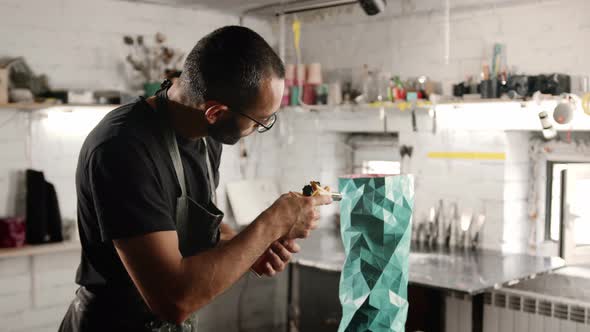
[128, 197]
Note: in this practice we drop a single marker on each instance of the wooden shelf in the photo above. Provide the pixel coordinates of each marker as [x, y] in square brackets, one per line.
[40, 249]
[26, 106]
[40, 106]
[403, 105]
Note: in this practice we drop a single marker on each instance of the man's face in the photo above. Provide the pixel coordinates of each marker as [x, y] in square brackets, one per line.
[230, 126]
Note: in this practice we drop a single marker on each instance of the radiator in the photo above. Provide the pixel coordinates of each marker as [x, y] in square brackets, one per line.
[457, 312]
[508, 310]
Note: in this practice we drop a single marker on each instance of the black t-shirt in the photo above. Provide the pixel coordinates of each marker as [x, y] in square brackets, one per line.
[126, 186]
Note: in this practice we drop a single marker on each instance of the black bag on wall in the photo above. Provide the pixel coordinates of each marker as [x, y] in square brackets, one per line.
[43, 222]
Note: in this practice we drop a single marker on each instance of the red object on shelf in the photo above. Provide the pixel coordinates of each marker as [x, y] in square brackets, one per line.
[399, 93]
[309, 96]
[287, 93]
[12, 232]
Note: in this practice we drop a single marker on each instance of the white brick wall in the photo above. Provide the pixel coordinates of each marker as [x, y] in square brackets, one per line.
[472, 184]
[78, 43]
[14, 127]
[79, 50]
[296, 151]
[481, 185]
[408, 39]
[35, 290]
[285, 154]
[42, 286]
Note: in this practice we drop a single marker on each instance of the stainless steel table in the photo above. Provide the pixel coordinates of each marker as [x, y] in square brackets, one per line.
[471, 272]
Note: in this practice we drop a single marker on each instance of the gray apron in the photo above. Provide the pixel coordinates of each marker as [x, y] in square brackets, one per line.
[190, 234]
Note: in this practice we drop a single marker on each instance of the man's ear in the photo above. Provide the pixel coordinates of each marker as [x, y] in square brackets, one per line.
[214, 111]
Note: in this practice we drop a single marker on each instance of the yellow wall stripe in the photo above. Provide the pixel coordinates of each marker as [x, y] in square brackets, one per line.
[468, 155]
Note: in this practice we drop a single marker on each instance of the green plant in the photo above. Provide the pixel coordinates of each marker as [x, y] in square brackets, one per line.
[152, 61]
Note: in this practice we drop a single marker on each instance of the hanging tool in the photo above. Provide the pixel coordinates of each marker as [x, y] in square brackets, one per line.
[433, 99]
[412, 98]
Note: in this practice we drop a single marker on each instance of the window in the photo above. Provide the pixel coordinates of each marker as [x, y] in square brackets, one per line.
[553, 215]
[385, 167]
[375, 154]
[580, 209]
[568, 211]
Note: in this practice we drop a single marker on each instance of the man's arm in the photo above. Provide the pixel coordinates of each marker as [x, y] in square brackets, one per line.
[227, 233]
[273, 260]
[173, 286]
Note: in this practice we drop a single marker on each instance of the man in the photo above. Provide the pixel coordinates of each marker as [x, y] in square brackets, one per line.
[138, 271]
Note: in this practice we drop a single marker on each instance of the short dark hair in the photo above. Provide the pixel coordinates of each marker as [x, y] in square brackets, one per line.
[228, 66]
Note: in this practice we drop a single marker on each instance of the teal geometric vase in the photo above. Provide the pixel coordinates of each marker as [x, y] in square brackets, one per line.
[375, 225]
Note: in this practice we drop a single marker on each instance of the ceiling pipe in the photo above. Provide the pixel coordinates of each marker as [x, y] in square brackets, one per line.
[278, 9]
[302, 9]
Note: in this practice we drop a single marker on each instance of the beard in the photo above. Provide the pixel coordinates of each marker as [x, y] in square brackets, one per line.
[226, 131]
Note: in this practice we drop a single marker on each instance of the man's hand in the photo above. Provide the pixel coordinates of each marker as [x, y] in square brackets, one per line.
[294, 215]
[276, 257]
[185, 284]
[273, 260]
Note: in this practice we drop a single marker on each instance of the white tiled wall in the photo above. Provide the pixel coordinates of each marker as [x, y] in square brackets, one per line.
[14, 127]
[409, 38]
[517, 185]
[298, 150]
[78, 43]
[483, 186]
[35, 291]
[292, 153]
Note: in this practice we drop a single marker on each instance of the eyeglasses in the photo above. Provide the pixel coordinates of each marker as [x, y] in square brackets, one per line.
[262, 127]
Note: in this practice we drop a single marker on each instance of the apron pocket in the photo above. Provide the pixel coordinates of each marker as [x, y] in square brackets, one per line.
[200, 229]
